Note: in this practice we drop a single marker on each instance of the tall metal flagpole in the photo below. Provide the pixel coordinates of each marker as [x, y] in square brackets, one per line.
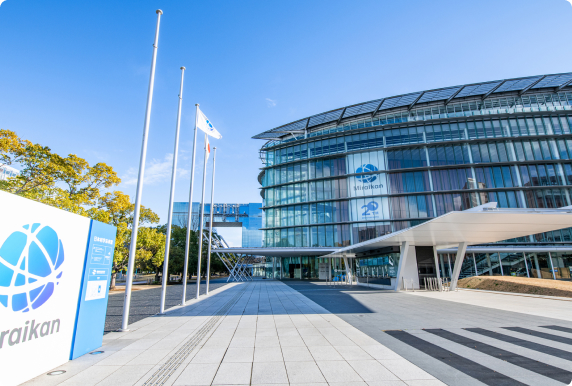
[190, 218]
[211, 226]
[201, 221]
[135, 227]
[171, 198]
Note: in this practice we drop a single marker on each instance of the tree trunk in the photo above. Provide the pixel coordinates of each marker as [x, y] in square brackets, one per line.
[113, 277]
[157, 274]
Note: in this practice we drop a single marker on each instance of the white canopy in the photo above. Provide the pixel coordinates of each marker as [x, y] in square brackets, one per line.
[479, 225]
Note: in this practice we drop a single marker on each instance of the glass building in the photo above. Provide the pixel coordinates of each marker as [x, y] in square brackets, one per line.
[362, 171]
[247, 216]
[8, 172]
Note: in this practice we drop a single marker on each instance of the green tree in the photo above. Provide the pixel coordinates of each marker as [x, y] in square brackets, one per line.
[177, 253]
[115, 208]
[150, 250]
[71, 184]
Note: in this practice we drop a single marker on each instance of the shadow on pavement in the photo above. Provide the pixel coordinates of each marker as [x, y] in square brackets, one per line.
[145, 303]
[336, 298]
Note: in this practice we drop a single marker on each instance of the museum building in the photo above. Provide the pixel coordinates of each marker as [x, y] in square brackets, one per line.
[360, 172]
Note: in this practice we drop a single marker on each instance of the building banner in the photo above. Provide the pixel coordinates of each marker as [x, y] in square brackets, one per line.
[369, 209]
[366, 184]
[42, 259]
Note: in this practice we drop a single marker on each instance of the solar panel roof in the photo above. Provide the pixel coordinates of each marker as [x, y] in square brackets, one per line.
[468, 90]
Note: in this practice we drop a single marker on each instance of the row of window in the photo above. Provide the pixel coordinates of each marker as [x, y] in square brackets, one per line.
[535, 150]
[510, 105]
[321, 213]
[412, 206]
[305, 170]
[486, 177]
[326, 235]
[487, 129]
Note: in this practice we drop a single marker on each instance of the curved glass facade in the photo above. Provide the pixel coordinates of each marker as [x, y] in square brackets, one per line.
[349, 181]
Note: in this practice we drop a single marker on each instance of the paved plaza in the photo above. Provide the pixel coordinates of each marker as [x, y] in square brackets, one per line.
[303, 333]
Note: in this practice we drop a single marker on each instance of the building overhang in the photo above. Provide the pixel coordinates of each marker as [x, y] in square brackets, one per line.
[480, 225]
[484, 224]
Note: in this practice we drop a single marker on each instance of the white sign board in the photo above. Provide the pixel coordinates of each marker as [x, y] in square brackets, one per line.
[323, 269]
[42, 252]
[366, 184]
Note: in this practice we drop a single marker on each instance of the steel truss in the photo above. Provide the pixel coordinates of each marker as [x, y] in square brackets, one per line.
[236, 264]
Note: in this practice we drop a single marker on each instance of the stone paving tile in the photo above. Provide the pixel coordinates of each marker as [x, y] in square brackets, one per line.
[266, 373]
[268, 354]
[296, 354]
[372, 371]
[90, 376]
[325, 353]
[239, 354]
[233, 374]
[127, 375]
[338, 371]
[197, 374]
[303, 372]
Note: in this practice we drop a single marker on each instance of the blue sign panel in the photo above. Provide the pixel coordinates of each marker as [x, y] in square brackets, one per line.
[92, 306]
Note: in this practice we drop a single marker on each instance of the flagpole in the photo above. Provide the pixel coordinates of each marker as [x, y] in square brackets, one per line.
[201, 220]
[190, 218]
[211, 226]
[139, 192]
[171, 199]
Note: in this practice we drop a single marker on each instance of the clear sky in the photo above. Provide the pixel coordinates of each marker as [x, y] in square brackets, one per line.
[74, 74]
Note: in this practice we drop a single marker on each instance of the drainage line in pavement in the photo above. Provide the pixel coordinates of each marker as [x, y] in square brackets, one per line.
[168, 368]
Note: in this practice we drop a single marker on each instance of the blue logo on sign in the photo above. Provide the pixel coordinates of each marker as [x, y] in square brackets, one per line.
[370, 208]
[365, 169]
[30, 267]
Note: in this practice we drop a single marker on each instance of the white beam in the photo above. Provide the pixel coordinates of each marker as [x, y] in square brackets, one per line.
[402, 257]
[458, 263]
[436, 257]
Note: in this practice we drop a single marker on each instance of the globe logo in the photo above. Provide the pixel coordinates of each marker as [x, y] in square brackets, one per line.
[365, 168]
[30, 267]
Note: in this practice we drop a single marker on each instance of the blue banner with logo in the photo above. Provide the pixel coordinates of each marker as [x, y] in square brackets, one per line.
[92, 305]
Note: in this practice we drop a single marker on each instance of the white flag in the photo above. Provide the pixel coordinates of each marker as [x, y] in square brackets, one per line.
[207, 147]
[205, 125]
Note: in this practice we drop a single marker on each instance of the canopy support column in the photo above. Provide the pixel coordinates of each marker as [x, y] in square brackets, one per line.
[458, 263]
[402, 257]
[348, 271]
[436, 257]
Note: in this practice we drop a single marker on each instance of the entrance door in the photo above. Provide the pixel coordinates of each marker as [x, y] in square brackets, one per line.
[425, 264]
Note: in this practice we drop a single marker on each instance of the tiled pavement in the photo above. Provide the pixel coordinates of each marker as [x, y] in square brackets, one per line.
[269, 333]
[466, 337]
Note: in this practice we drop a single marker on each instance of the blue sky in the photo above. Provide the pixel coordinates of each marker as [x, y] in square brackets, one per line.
[74, 74]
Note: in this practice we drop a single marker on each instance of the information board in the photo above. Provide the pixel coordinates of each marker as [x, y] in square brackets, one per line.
[43, 253]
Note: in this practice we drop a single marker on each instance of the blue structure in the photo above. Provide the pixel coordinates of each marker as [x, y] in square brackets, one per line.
[359, 172]
[247, 216]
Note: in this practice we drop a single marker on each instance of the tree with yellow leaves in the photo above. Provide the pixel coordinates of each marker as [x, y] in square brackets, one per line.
[71, 184]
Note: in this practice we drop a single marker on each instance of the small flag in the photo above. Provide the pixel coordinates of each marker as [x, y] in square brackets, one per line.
[207, 147]
[205, 125]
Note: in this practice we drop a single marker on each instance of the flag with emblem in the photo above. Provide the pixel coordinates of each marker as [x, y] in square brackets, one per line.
[207, 147]
[205, 125]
